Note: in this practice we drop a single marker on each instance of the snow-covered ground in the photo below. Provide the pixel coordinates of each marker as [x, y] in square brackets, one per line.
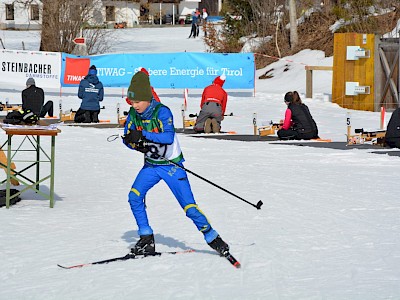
[328, 229]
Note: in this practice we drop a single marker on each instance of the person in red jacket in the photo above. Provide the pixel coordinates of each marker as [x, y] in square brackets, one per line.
[213, 105]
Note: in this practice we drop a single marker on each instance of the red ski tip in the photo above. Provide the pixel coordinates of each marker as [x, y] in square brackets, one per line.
[237, 265]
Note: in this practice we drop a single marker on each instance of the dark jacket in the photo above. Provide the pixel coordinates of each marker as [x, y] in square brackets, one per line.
[33, 99]
[310, 119]
[393, 128]
[91, 92]
[303, 122]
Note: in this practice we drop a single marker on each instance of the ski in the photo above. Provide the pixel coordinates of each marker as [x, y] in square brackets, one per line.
[126, 257]
[232, 260]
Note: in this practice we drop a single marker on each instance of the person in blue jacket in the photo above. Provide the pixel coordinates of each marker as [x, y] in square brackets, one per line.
[91, 92]
[194, 30]
[149, 129]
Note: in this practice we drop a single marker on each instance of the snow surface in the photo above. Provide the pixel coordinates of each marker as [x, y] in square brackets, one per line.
[328, 229]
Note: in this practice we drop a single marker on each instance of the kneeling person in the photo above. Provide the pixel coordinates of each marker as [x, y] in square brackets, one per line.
[213, 105]
[91, 92]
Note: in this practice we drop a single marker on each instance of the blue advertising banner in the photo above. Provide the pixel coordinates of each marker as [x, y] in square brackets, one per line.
[166, 70]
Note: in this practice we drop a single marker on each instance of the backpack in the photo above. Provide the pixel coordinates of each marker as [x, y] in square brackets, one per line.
[21, 117]
[12, 201]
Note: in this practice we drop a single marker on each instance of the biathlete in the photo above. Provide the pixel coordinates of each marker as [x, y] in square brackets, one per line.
[149, 129]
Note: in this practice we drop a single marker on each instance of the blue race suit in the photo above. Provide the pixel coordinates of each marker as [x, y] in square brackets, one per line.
[156, 123]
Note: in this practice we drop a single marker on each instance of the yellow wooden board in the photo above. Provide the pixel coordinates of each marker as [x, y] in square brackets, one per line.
[122, 120]
[267, 130]
[10, 108]
[68, 117]
[3, 160]
[361, 71]
[190, 122]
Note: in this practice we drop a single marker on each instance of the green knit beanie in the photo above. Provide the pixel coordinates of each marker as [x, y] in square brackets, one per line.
[139, 89]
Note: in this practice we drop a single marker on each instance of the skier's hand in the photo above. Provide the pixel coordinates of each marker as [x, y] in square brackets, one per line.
[133, 137]
[141, 147]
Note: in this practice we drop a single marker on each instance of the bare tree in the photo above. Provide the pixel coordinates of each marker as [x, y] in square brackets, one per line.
[51, 32]
[267, 16]
[263, 17]
[294, 39]
[64, 20]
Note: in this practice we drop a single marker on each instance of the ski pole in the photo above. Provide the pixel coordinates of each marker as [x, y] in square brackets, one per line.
[153, 150]
[258, 205]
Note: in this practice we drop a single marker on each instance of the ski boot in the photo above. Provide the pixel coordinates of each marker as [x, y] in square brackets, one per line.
[144, 246]
[208, 126]
[215, 126]
[220, 246]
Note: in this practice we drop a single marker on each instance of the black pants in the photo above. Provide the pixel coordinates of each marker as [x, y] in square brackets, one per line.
[87, 116]
[393, 142]
[194, 31]
[47, 109]
[291, 134]
[288, 134]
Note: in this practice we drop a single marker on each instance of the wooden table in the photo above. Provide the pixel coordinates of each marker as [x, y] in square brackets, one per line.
[32, 135]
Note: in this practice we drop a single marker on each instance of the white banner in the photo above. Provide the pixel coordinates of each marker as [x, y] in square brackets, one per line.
[17, 66]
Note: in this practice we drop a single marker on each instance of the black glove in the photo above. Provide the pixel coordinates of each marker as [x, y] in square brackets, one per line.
[141, 147]
[133, 137]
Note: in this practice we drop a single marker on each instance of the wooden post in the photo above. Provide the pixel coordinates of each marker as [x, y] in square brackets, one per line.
[60, 107]
[309, 77]
[308, 83]
[60, 104]
[255, 124]
[118, 113]
[348, 122]
[183, 115]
